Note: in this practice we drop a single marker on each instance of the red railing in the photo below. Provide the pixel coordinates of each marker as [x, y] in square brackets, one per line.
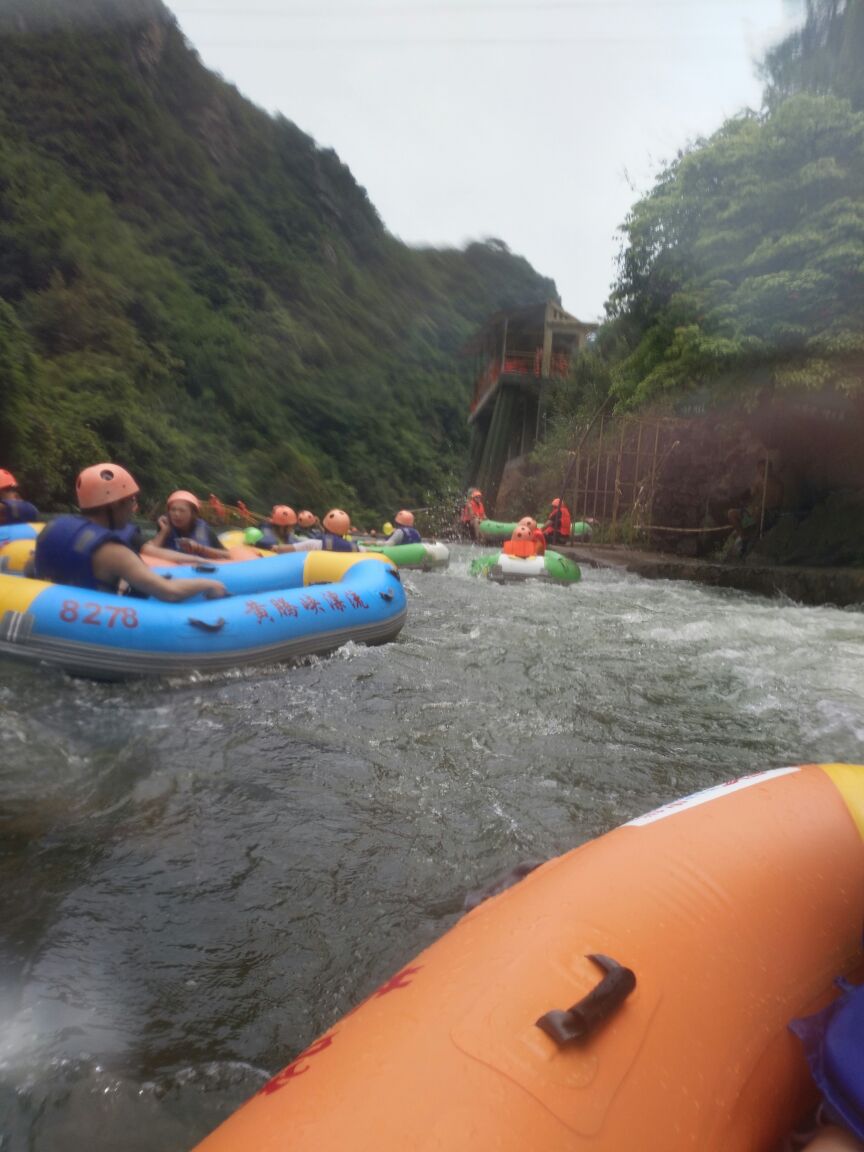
[518, 364]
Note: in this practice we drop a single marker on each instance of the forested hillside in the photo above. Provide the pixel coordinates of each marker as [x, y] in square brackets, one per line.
[743, 267]
[193, 287]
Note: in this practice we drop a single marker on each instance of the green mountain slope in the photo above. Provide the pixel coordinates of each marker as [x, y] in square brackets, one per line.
[195, 288]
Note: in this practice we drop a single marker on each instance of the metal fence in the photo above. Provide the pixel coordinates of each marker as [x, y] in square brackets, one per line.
[615, 476]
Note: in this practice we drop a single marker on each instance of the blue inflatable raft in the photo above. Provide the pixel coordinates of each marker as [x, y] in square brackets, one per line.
[310, 605]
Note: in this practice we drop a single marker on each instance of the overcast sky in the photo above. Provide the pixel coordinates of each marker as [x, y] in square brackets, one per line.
[540, 123]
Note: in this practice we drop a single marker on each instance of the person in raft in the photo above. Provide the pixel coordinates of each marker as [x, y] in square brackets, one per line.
[557, 527]
[337, 525]
[404, 532]
[536, 535]
[521, 543]
[276, 532]
[308, 526]
[833, 1042]
[14, 510]
[183, 530]
[89, 551]
[473, 512]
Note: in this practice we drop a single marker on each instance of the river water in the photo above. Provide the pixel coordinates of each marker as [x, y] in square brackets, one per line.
[199, 876]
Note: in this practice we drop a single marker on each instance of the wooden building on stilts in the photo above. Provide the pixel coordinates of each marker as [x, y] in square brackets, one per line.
[517, 355]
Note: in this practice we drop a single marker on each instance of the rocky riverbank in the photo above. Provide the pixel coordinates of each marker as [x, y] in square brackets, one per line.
[842, 587]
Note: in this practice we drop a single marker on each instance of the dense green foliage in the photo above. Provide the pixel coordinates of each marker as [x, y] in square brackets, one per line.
[195, 289]
[743, 267]
[823, 57]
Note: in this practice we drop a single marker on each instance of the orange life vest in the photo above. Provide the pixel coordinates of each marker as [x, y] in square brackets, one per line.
[473, 510]
[521, 548]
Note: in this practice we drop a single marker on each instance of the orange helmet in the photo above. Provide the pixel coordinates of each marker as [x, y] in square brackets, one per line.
[306, 519]
[556, 501]
[7, 480]
[102, 484]
[530, 521]
[521, 532]
[337, 522]
[188, 497]
[284, 515]
[475, 492]
[405, 518]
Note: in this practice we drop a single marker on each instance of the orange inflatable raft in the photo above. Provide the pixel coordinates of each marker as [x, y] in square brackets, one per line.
[630, 996]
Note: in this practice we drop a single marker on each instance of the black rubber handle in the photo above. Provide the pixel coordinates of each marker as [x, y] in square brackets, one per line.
[584, 1017]
[207, 626]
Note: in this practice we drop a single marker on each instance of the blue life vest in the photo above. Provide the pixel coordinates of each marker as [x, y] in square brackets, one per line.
[19, 511]
[333, 543]
[201, 533]
[130, 536]
[833, 1046]
[65, 549]
[410, 535]
[269, 539]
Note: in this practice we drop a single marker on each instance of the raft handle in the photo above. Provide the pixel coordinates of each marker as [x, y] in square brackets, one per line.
[207, 626]
[388, 595]
[205, 568]
[582, 1018]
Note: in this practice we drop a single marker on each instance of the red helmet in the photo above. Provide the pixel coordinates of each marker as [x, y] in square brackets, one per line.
[475, 492]
[283, 515]
[337, 522]
[102, 484]
[7, 480]
[556, 501]
[405, 518]
[188, 497]
[306, 519]
[521, 532]
[530, 521]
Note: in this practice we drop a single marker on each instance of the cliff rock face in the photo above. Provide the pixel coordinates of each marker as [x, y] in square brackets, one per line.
[195, 288]
[669, 480]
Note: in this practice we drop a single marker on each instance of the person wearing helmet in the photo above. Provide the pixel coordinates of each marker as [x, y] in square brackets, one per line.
[14, 510]
[276, 532]
[337, 525]
[405, 532]
[536, 535]
[521, 543]
[89, 551]
[183, 529]
[308, 526]
[557, 527]
[473, 512]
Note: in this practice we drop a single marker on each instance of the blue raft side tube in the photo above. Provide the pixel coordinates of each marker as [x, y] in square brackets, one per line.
[113, 636]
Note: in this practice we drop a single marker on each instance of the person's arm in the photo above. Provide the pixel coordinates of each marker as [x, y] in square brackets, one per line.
[193, 548]
[301, 546]
[396, 538]
[114, 562]
[166, 555]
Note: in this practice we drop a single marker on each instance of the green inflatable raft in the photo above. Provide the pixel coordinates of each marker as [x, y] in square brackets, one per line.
[552, 567]
[423, 557]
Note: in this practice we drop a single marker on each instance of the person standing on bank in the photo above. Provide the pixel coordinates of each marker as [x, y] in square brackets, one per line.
[557, 527]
